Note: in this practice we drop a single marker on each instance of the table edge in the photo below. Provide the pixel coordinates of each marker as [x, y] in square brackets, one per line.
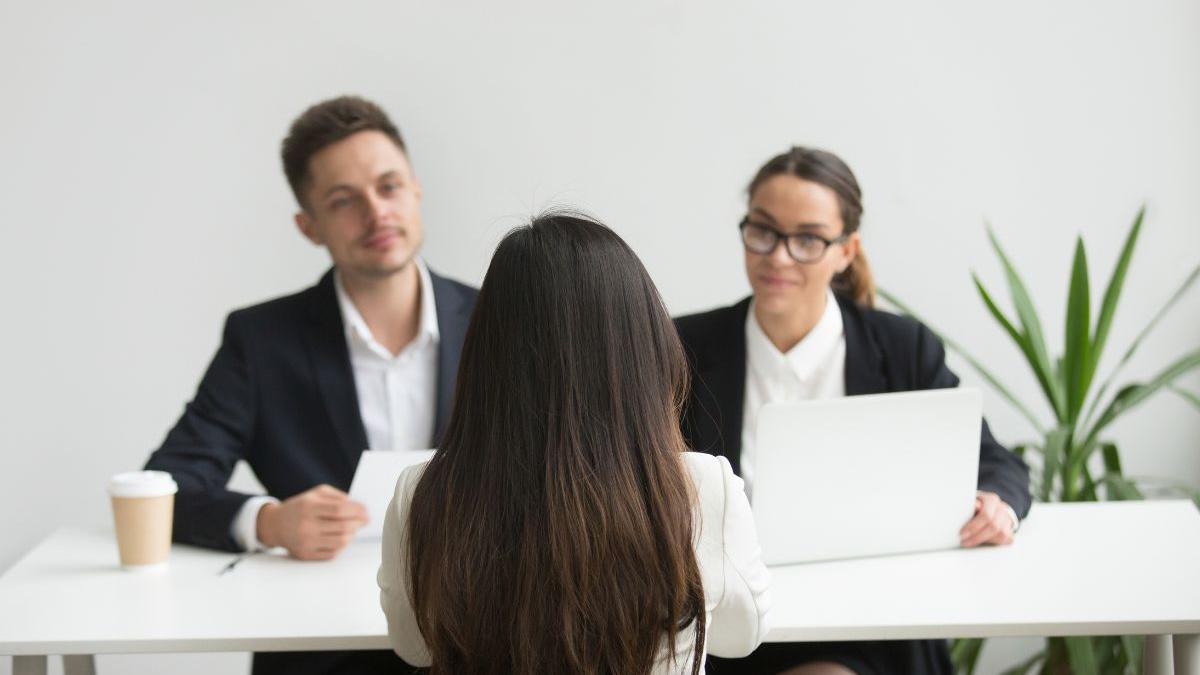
[823, 634]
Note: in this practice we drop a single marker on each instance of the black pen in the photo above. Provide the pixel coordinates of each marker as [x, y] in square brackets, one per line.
[233, 563]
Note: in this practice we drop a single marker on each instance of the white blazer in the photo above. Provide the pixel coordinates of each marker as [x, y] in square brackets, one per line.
[736, 583]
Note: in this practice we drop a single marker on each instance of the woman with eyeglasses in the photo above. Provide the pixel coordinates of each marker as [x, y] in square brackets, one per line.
[561, 528]
[810, 331]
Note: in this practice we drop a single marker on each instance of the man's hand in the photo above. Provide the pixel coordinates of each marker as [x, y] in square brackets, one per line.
[313, 525]
[992, 523]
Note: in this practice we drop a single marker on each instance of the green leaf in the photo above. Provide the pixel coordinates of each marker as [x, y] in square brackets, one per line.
[1133, 394]
[964, 654]
[1077, 358]
[1108, 308]
[1074, 463]
[1056, 657]
[999, 315]
[1108, 381]
[1187, 396]
[1052, 458]
[1080, 656]
[971, 360]
[1045, 378]
[1121, 489]
[1089, 486]
[1106, 650]
[1112, 459]
[1132, 645]
[1032, 329]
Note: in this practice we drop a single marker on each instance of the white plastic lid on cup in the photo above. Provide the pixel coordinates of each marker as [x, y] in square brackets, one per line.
[142, 484]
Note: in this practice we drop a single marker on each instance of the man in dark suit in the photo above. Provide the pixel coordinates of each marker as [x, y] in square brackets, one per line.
[301, 385]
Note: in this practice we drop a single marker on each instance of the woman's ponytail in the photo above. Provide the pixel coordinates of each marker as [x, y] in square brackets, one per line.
[856, 282]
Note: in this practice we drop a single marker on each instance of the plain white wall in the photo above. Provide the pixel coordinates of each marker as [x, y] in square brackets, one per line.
[142, 197]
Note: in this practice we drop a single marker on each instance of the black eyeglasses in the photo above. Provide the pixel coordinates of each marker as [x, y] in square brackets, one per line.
[804, 247]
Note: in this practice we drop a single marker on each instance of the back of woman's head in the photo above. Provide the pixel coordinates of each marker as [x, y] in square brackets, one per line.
[552, 532]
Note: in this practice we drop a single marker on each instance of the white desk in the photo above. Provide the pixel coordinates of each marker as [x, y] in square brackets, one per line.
[1076, 569]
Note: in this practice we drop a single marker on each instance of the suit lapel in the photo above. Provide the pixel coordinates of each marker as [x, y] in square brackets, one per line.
[330, 359]
[453, 316]
[865, 361]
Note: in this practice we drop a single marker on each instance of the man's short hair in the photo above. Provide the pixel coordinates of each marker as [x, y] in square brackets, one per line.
[323, 125]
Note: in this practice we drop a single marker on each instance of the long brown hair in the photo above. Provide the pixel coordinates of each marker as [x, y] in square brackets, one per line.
[552, 532]
[826, 168]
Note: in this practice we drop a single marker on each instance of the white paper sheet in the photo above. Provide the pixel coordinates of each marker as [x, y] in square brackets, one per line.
[375, 482]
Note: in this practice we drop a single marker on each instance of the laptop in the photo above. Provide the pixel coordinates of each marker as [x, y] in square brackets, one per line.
[866, 475]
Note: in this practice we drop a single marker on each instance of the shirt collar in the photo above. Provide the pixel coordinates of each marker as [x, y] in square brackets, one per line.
[804, 359]
[357, 329]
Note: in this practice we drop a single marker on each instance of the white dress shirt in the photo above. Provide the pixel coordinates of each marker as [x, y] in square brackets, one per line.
[736, 582]
[813, 369]
[397, 393]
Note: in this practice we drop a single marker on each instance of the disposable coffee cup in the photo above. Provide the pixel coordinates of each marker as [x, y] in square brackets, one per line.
[143, 503]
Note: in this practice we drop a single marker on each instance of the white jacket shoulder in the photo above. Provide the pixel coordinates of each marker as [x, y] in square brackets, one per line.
[394, 591]
[736, 582]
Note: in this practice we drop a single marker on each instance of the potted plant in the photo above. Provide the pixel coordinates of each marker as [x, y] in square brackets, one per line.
[1073, 458]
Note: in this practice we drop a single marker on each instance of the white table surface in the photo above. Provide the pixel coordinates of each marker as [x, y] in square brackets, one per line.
[1131, 567]
[1116, 568]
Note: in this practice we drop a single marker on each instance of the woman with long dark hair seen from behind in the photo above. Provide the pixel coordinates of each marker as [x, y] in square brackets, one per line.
[810, 331]
[561, 528]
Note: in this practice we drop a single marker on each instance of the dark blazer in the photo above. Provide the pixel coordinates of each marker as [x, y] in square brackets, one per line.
[280, 394]
[884, 353]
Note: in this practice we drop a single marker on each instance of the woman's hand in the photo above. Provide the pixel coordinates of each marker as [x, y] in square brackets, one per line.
[993, 522]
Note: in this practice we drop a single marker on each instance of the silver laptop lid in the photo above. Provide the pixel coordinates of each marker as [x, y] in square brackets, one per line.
[866, 475]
